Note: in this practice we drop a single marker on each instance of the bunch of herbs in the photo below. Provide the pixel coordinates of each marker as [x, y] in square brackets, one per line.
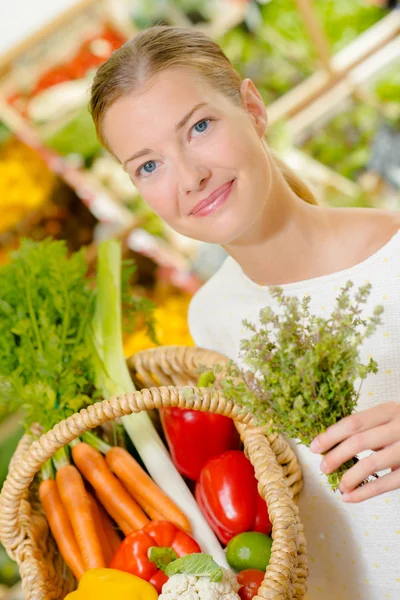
[304, 371]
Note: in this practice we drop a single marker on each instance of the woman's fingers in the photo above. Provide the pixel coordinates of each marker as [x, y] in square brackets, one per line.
[384, 484]
[376, 429]
[371, 439]
[388, 458]
[354, 424]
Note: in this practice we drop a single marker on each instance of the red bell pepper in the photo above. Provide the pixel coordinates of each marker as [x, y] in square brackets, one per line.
[132, 555]
[194, 437]
[227, 495]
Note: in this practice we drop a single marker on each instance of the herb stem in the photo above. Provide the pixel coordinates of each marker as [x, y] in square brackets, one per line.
[32, 314]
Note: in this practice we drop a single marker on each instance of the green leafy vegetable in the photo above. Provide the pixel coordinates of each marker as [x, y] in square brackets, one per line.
[46, 305]
[162, 556]
[200, 565]
[303, 368]
[77, 137]
[49, 364]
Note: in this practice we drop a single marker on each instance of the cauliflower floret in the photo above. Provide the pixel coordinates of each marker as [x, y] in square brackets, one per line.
[190, 587]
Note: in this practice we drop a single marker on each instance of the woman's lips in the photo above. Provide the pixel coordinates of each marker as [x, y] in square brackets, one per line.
[214, 201]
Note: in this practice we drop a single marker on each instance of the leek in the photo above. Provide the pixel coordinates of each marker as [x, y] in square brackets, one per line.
[113, 379]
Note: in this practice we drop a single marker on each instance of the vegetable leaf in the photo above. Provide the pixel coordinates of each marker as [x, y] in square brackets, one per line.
[46, 305]
[200, 565]
[52, 363]
[162, 556]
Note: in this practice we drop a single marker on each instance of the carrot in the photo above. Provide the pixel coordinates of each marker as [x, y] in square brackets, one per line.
[150, 511]
[123, 525]
[103, 539]
[109, 529]
[60, 526]
[94, 467]
[77, 505]
[143, 488]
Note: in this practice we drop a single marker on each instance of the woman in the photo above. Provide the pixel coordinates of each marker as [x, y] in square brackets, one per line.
[172, 110]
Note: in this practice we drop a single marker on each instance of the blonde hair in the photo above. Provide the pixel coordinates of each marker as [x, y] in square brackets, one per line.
[161, 47]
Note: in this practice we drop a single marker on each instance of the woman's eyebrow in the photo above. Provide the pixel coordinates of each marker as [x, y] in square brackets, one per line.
[178, 126]
[186, 118]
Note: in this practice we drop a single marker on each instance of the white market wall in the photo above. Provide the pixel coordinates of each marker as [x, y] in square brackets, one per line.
[21, 18]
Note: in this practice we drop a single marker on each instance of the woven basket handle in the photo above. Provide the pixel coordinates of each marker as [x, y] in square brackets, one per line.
[286, 572]
[26, 464]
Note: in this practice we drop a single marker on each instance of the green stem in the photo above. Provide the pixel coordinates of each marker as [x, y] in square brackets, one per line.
[114, 378]
[96, 442]
[85, 322]
[61, 458]
[47, 470]
[65, 317]
[74, 442]
[32, 314]
[335, 477]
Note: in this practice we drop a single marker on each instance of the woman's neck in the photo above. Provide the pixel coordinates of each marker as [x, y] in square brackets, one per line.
[292, 241]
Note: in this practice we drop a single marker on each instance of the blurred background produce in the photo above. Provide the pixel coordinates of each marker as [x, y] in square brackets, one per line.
[329, 73]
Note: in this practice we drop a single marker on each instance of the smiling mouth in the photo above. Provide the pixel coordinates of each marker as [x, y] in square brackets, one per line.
[214, 200]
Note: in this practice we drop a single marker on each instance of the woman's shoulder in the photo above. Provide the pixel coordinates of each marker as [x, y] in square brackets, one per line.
[367, 229]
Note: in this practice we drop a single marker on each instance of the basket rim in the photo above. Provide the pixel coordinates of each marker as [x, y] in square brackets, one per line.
[287, 570]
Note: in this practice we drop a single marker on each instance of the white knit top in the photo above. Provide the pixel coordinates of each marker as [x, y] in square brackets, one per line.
[354, 549]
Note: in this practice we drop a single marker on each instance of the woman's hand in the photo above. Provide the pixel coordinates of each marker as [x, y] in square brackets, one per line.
[375, 429]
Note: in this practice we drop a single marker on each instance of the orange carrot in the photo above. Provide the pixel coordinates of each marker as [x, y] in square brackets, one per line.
[94, 467]
[123, 525]
[105, 545]
[60, 526]
[150, 511]
[143, 488]
[109, 529]
[77, 505]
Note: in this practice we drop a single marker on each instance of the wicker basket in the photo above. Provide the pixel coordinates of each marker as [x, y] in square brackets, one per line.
[23, 527]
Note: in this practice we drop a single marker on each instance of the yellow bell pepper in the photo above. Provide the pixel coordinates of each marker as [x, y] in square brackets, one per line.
[103, 584]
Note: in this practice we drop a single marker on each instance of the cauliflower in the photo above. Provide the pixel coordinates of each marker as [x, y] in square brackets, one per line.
[191, 587]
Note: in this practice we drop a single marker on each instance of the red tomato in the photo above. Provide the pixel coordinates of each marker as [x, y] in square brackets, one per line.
[250, 580]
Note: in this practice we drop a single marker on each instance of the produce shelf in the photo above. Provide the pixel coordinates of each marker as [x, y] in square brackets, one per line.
[353, 55]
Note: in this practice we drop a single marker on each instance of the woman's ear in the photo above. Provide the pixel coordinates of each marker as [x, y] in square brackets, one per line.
[253, 103]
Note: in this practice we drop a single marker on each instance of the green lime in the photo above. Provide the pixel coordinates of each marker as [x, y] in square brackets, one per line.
[249, 550]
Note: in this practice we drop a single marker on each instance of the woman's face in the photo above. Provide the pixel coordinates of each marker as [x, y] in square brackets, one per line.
[196, 158]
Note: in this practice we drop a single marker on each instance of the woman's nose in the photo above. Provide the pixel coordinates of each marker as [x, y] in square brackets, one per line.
[192, 177]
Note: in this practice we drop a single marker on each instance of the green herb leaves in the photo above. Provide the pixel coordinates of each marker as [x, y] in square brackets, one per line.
[303, 368]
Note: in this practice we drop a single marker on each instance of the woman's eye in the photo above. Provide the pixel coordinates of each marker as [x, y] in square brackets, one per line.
[201, 126]
[148, 168]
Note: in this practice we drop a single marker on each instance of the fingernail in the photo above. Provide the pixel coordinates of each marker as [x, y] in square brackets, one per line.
[315, 445]
[345, 497]
[323, 465]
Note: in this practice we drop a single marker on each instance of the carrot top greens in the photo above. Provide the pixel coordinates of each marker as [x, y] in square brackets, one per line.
[48, 362]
